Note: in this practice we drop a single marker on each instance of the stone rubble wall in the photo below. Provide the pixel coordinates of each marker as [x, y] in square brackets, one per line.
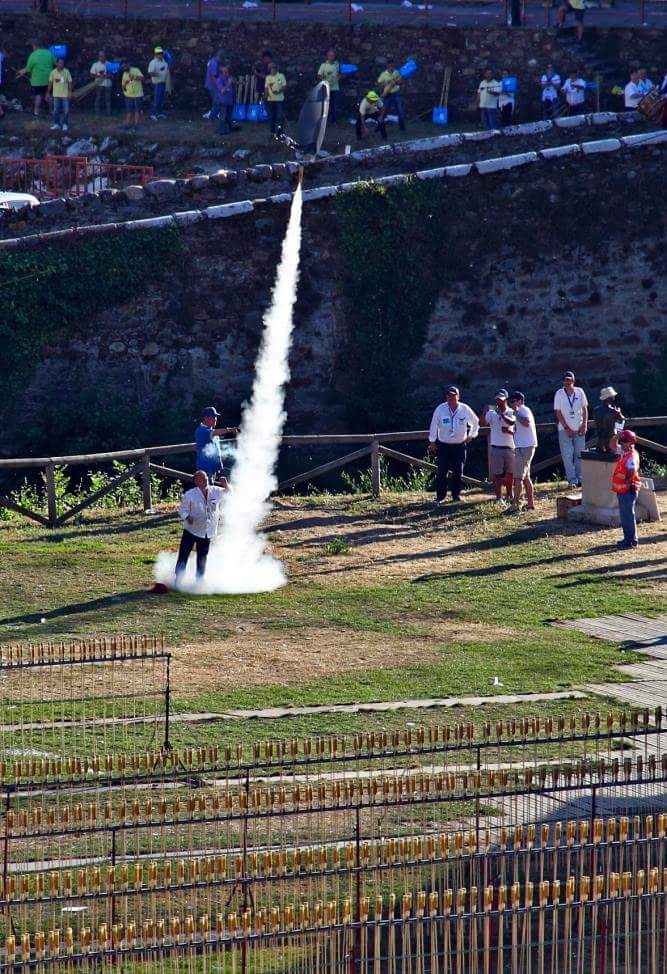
[529, 304]
[161, 196]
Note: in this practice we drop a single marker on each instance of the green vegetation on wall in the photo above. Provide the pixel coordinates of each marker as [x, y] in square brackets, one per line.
[392, 248]
[58, 290]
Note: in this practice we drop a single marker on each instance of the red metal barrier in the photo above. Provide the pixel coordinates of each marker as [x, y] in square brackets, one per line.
[56, 176]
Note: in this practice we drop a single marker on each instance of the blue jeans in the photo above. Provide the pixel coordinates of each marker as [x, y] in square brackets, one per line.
[570, 451]
[394, 106]
[489, 117]
[226, 119]
[626, 510]
[61, 111]
[334, 98]
[159, 92]
[215, 105]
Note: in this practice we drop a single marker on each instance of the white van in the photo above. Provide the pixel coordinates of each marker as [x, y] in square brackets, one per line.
[15, 201]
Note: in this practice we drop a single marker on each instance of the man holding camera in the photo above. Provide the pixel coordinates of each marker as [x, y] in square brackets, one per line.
[501, 421]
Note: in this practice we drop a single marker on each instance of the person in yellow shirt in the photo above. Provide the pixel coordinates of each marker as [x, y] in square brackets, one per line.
[133, 93]
[274, 95]
[329, 71]
[371, 107]
[389, 84]
[60, 89]
[576, 7]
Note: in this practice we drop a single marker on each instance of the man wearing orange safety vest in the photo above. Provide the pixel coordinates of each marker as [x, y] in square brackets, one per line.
[625, 483]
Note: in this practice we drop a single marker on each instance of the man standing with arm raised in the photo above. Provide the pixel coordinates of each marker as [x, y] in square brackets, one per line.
[571, 408]
[453, 426]
[209, 456]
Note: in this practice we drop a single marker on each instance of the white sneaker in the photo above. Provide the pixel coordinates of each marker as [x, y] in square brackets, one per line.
[153, 118]
[500, 502]
[65, 128]
[54, 127]
[206, 115]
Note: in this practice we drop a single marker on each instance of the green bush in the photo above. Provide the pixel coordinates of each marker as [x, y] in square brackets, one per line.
[58, 290]
[392, 243]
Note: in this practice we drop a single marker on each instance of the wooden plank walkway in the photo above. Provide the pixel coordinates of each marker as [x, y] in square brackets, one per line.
[647, 681]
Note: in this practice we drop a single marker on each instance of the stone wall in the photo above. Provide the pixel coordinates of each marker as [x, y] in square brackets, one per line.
[300, 49]
[559, 264]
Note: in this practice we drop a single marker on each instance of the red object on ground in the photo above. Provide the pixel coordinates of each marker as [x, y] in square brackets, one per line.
[160, 589]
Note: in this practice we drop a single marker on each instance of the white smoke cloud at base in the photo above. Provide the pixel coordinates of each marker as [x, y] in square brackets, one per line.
[240, 560]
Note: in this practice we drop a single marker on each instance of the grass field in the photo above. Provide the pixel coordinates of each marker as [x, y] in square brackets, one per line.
[419, 603]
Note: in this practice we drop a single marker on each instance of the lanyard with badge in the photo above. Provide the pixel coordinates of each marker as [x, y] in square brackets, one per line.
[452, 431]
[571, 401]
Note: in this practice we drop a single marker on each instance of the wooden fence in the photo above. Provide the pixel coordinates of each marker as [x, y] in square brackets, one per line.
[142, 463]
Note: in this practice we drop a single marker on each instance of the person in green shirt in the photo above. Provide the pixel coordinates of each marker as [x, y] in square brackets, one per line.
[329, 71]
[39, 66]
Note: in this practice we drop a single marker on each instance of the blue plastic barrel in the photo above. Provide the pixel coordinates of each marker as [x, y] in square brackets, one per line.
[439, 116]
[169, 57]
[58, 50]
[509, 86]
[240, 113]
[408, 68]
[348, 68]
[252, 115]
[113, 67]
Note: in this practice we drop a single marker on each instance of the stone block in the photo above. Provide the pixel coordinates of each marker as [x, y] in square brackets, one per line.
[570, 121]
[162, 189]
[135, 194]
[601, 145]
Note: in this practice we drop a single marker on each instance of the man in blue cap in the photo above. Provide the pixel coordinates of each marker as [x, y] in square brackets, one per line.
[207, 440]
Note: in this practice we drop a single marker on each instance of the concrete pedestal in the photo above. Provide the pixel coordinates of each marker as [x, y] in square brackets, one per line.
[599, 504]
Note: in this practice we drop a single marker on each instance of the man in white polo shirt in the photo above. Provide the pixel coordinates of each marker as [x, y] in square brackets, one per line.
[453, 426]
[525, 443]
[501, 421]
[632, 92]
[571, 408]
[200, 512]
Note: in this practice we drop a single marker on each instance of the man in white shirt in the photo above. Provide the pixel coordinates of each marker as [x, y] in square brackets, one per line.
[525, 443]
[103, 83]
[571, 408]
[200, 511]
[574, 90]
[501, 421]
[632, 92]
[551, 83]
[158, 72]
[453, 426]
[644, 83]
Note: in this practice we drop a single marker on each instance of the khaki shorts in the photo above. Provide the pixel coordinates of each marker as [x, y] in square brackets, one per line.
[523, 457]
[501, 461]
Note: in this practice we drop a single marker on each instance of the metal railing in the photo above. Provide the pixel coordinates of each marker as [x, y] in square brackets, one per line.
[533, 13]
[373, 446]
[57, 176]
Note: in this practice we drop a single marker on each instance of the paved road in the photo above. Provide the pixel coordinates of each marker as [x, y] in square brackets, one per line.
[458, 13]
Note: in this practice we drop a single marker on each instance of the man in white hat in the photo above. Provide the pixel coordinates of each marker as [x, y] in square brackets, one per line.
[158, 72]
[609, 421]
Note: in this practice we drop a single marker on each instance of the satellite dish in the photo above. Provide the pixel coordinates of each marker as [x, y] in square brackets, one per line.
[312, 124]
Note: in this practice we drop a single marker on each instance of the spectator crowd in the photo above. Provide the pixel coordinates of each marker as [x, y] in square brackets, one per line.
[269, 91]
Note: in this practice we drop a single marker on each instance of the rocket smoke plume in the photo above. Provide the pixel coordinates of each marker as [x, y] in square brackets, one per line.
[239, 560]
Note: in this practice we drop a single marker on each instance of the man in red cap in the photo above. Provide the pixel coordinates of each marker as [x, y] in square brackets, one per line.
[626, 483]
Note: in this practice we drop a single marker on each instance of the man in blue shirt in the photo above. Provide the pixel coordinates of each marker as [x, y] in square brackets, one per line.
[209, 455]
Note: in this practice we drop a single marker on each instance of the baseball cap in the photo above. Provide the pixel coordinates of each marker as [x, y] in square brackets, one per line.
[568, 375]
[372, 96]
[452, 389]
[209, 411]
[157, 50]
[501, 394]
[607, 393]
[518, 395]
[627, 436]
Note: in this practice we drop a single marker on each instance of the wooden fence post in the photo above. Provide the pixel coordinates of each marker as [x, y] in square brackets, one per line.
[51, 509]
[146, 482]
[376, 480]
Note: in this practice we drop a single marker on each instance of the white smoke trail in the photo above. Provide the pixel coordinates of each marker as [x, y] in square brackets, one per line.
[240, 559]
